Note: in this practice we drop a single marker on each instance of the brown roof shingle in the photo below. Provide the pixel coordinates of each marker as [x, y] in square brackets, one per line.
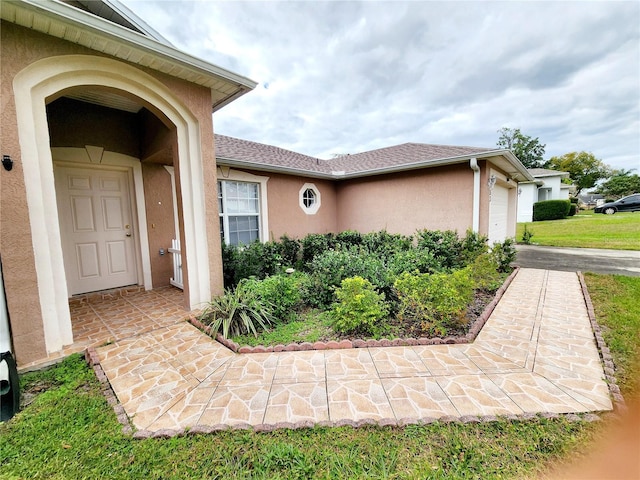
[406, 154]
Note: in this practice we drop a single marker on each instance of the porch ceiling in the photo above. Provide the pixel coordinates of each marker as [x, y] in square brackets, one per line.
[74, 25]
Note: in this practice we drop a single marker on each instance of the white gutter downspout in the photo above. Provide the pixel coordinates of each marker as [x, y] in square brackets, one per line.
[473, 163]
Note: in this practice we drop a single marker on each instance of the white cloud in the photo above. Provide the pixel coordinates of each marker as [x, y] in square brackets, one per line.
[351, 76]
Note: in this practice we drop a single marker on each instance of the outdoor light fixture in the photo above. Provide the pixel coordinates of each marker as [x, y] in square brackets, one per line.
[7, 163]
[492, 181]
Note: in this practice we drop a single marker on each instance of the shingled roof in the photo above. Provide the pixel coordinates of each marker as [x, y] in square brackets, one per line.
[234, 151]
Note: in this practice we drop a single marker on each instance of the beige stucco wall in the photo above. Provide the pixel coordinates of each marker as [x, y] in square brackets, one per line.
[285, 214]
[20, 47]
[436, 199]
[160, 221]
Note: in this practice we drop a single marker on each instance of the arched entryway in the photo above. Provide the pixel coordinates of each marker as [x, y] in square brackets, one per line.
[48, 81]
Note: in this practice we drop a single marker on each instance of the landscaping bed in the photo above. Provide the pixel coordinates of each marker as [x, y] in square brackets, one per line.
[354, 290]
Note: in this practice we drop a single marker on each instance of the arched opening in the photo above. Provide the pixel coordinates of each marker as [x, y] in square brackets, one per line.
[102, 122]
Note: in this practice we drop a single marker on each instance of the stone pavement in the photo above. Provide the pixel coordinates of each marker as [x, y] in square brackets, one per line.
[535, 354]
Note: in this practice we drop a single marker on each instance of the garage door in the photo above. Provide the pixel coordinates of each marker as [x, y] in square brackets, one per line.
[498, 214]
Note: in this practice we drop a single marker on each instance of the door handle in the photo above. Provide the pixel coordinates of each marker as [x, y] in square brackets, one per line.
[128, 234]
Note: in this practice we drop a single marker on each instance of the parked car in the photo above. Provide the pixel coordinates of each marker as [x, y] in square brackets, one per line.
[629, 203]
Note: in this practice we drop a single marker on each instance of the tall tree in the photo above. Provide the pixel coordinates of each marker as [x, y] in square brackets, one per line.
[529, 150]
[583, 167]
[620, 184]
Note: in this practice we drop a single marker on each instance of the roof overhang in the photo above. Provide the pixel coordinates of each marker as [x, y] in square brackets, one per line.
[77, 26]
[503, 159]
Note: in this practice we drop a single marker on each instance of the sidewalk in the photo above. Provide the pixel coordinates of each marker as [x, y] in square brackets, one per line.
[536, 353]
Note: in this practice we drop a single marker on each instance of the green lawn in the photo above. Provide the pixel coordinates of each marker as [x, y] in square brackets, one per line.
[588, 230]
[70, 432]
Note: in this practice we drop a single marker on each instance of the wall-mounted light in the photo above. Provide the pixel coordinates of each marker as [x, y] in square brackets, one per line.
[519, 191]
[7, 163]
[492, 181]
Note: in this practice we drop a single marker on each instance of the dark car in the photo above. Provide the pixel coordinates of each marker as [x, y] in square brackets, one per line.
[630, 203]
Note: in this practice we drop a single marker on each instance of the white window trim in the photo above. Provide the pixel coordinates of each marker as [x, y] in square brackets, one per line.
[229, 174]
[313, 209]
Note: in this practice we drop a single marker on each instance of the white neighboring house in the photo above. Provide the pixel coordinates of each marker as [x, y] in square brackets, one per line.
[547, 185]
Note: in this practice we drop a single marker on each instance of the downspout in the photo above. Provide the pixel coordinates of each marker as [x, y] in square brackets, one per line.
[473, 163]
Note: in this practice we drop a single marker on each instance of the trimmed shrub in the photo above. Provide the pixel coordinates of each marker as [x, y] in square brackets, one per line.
[572, 210]
[438, 301]
[550, 210]
[329, 269]
[359, 307]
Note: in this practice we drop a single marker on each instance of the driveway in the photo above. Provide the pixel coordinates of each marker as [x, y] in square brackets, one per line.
[621, 262]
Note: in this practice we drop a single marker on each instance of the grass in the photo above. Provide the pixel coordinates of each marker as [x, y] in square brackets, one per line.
[616, 301]
[587, 230]
[310, 327]
[69, 432]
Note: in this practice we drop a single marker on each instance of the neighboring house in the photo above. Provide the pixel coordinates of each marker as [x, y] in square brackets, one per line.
[546, 185]
[266, 191]
[591, 200]
[108, 157]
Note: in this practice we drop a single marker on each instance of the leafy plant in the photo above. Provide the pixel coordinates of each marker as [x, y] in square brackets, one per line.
[281, 292]
[333, 266]
[472, 246]
[445, 246]
[526, 236]
[504, 254]
[359, 308]
[238, 311]
[313, 245]
[551, 210]
[438, 301]
[484, 273]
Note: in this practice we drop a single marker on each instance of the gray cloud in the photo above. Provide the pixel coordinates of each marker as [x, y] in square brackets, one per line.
[351, 76]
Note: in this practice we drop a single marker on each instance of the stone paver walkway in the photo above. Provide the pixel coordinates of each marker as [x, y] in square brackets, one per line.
[536, 353]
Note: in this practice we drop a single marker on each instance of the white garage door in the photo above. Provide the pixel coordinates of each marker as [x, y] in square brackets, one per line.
[498, 214]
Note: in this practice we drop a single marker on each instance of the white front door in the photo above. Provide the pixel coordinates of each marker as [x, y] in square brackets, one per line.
[94, 207]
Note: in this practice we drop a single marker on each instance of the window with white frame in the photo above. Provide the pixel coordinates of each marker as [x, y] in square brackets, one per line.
[309, 198]
[239, 209]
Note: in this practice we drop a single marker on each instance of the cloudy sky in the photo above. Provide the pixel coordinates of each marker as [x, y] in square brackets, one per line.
[346, 77]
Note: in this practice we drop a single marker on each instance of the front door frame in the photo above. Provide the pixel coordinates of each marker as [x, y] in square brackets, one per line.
[80, 158]
[42, 82]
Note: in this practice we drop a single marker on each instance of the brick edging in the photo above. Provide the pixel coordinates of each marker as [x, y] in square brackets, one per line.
[360, 343]
[619, 404]
[384, 422]
[91, 357]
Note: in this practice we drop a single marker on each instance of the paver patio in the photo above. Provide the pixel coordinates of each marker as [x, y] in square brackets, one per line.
[536, 353]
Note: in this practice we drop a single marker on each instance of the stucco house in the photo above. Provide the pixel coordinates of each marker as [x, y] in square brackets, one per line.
[108, 157]
[399, 189]
[546, 185]
[104, 123]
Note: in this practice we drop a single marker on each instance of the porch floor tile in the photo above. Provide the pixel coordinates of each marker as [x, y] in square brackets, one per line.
[535, 354]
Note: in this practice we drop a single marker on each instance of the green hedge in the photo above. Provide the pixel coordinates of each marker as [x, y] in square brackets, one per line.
[551, 210]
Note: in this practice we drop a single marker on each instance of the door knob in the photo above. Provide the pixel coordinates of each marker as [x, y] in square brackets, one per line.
[128, 234]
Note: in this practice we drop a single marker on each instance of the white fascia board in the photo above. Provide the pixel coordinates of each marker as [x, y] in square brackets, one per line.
[131, 17]
[265, 167]
[102, 27]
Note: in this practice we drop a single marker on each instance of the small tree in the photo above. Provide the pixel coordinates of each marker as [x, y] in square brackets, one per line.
[620, 184]
[529, 150]
[583, 167]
